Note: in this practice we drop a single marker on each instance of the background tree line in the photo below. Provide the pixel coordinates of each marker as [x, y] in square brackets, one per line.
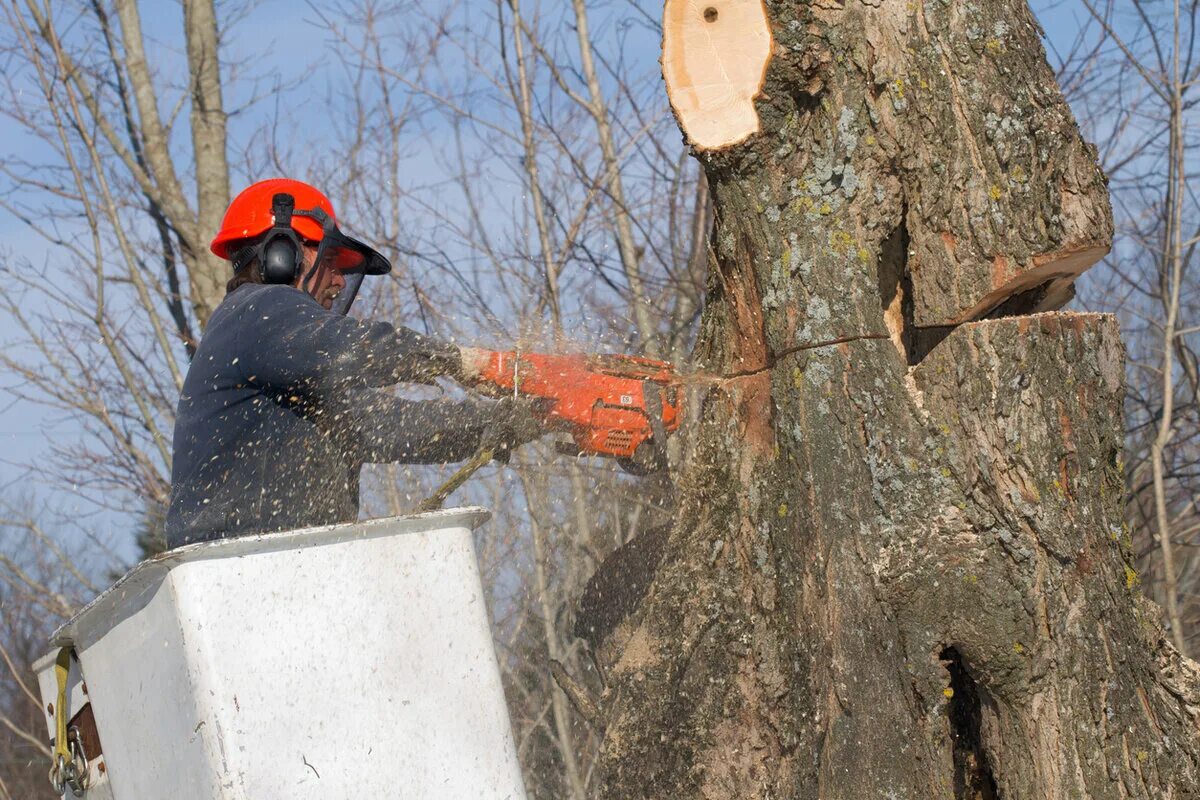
[519, 164]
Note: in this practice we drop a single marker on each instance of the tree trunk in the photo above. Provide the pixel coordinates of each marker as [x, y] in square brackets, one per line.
[899, 569]
[208, 273]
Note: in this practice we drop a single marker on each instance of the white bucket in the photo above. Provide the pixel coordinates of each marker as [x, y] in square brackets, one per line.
[349, 661]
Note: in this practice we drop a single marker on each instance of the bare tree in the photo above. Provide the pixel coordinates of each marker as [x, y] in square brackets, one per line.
[106, 327]
[1131, 72]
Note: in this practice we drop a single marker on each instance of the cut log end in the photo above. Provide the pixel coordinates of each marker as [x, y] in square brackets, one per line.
[715, 56]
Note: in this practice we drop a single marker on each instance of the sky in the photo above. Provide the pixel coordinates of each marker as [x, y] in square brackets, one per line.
[268, 40]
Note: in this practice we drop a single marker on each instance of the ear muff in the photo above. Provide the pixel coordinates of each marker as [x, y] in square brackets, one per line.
[280, 259]
[278, 253]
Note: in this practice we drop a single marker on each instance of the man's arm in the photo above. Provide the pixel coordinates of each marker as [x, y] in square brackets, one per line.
[382, 428]
[293, 344]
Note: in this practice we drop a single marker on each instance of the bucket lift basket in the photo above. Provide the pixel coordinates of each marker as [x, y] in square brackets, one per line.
[348, 661]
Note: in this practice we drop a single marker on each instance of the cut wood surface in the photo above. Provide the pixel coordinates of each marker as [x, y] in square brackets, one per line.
[1046, 284]
[715, 55]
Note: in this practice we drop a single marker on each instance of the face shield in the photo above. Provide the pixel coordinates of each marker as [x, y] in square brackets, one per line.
[345, 254]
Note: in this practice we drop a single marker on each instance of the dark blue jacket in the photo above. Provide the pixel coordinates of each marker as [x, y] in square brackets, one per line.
[281, 408]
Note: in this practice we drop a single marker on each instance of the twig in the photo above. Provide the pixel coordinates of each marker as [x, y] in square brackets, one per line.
[477, 462]
[41, 746]
[580, 698]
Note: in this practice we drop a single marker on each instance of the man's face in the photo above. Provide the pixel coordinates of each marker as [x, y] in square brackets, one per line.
[328, 281]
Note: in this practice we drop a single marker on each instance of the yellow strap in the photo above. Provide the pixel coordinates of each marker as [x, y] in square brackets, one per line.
[62, 669]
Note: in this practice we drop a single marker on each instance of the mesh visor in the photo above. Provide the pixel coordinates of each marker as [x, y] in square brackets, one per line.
[345, 299]
[348, 254]
[354, 259]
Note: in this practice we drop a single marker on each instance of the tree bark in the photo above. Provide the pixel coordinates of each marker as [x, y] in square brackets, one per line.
[208, 273]
[899, 569]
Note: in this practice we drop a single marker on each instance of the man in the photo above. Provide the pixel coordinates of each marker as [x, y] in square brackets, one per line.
[282, 404]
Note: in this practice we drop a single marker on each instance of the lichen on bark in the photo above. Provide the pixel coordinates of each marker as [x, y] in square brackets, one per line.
[870, 530]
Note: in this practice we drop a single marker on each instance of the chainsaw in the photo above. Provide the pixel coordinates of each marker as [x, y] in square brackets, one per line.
[614, 406]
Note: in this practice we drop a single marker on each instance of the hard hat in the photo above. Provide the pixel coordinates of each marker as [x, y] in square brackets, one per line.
[267, 222]
[250, 214]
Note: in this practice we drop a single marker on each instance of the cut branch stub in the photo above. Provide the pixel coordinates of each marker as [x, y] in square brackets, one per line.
[715, 56]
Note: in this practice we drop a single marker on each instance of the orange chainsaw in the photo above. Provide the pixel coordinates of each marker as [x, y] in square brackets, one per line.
[615, 406]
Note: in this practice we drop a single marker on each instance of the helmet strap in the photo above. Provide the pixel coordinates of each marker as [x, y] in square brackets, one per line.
[327, 227]
[311, 272]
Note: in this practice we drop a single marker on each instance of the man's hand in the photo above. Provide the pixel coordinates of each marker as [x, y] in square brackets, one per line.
[472, 361]
[514, 423]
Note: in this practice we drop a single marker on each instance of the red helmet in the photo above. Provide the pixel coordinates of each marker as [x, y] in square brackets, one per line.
[249, 215]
